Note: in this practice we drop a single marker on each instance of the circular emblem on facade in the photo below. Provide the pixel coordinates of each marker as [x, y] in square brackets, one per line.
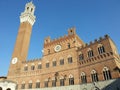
[14, 60]
[57, 48]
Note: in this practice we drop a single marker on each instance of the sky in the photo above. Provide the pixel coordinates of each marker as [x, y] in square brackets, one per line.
[92, 19]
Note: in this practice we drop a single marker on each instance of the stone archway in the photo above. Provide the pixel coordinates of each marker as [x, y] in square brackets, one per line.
[8, 89]
[0, 88]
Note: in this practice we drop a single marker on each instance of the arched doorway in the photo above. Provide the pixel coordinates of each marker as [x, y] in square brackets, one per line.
[0, 88]
[8, 89]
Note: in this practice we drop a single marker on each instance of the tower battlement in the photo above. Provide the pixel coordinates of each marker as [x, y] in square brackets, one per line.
[71, 35]
[71, 40]
[96, 41]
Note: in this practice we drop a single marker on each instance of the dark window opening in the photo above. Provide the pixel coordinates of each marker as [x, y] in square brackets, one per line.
[70, 60]
[47, 65]
[54, 83]
[94, 77]
[30, 85]
[39, 66]
[62, 82]
[71, 81]
[54, 63]
[23, 86]
[90, 53]
[46, 84]
[68, 45]
[31, 9]
[37, 84]
[101, 49]
[33, 67]
[62, 62]
[81, 57]
[107, 75]
[83, 79]
[27, 8]
[26, 68]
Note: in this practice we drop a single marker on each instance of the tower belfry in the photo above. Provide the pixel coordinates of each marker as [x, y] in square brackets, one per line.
[27, 19]
[28, 14]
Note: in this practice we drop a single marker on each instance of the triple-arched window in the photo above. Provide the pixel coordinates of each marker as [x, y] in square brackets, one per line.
[94, 76]
[23, 85]
[90, 52]
[62, 81]
[37, 84]
[26, 68]
[81, 56]
[107, 73]
[30, 84]
[83, 78]
[101, 49]
[71, 80]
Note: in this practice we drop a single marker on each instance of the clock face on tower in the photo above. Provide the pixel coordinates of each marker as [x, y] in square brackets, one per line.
[57, 48]
[14, 60]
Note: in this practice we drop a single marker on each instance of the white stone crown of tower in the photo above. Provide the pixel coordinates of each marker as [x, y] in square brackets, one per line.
[28, 14]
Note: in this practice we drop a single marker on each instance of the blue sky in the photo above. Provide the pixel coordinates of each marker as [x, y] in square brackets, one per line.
[92, 19]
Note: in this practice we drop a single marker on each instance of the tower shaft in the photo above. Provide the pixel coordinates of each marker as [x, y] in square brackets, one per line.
[22, 41]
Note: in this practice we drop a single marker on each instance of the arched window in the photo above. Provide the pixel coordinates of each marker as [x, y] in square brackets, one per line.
[70, 59]
[81, 56]
[54, 63]
[31, 9]
[33, 67]
[53, 82]
[83, 78]
[90, 53]
[68, 45]
[30, 84]
[26, 68]
[47, 65]
[0, 88]
[37, 84]
[39, 66]
[94, 76]
[106, 73]
[62, 81]
[101, 49]
[27, 8]
[71, 80]
[46, 83]
[23, 85]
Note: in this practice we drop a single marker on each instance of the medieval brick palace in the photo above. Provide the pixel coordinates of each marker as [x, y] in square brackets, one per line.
[68, 63]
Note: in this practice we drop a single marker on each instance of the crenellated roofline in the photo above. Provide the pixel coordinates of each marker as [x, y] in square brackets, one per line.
[95, 41]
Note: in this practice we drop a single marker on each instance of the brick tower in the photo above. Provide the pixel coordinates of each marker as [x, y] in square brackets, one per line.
[20, 52]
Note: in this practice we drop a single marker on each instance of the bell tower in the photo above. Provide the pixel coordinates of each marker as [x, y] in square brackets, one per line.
[27, 19]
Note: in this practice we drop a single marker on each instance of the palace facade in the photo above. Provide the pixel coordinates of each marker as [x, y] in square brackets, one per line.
[68, 63]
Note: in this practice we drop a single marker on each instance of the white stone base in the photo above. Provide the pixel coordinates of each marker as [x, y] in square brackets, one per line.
[7, 84]
[113, 84]
[89, 86]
